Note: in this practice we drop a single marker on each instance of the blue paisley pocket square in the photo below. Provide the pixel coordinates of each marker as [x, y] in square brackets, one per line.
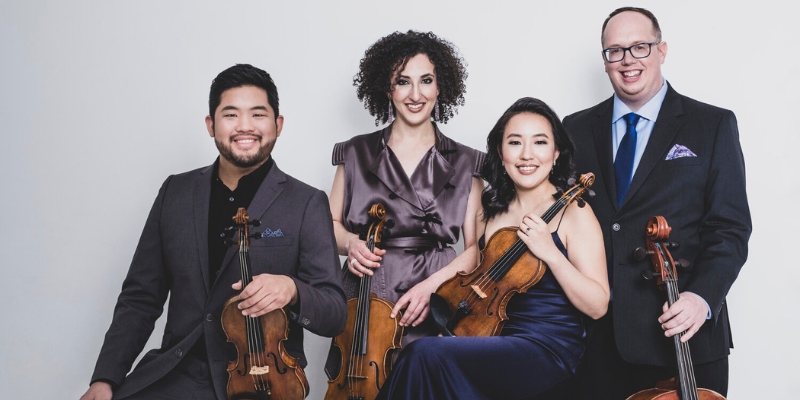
[270, 233]
[679, 151]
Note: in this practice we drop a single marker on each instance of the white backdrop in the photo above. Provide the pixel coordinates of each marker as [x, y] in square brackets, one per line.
[101, 100]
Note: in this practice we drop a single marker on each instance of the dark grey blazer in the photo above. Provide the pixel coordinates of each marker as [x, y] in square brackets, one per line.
[172, 259]
[703, 199]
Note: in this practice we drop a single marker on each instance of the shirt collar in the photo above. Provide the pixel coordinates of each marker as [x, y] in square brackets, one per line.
[253, 178]
[649, 111]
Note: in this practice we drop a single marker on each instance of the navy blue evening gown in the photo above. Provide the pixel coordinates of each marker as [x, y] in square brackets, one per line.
[538, 351]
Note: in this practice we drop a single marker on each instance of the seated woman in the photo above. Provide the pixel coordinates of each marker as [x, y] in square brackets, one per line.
[529, 156]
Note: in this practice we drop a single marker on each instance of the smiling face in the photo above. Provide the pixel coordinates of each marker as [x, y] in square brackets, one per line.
[635, 81]
[244, 127]
[528, 151]
[415, 91]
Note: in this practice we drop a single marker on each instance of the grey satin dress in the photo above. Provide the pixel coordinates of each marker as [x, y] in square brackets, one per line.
[425, 211]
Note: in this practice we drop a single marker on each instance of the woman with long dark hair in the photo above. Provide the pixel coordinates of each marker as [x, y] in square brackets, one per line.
[529, 157]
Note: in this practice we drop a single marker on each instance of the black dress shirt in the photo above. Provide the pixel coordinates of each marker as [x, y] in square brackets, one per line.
[222, 208]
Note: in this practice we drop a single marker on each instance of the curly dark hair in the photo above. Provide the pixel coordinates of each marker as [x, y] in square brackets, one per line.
[391, 53]
[500, 191]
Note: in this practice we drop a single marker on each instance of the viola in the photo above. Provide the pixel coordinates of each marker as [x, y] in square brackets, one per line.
[262, 370]
[657, 247]
[474, 303]
[370, 337]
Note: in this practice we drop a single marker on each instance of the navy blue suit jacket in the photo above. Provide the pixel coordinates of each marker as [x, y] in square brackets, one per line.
[703, 199]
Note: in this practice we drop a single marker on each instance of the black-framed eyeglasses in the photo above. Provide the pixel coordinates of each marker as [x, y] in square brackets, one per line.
[639, 50]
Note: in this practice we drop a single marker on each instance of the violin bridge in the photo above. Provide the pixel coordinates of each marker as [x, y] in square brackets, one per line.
[478, 291]
[258, 370]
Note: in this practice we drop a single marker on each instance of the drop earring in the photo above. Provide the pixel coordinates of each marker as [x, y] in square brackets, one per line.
[436, 111]
[391, 113]
[553, 169]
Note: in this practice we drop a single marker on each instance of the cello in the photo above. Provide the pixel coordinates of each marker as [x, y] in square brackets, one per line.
[474, 303]
[657, 247]
[370, 337]
[262, 370]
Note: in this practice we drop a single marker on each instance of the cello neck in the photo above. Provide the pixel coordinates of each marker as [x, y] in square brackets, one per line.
[686, 378]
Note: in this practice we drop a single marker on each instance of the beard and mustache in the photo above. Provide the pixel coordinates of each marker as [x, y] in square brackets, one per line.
[244, 160]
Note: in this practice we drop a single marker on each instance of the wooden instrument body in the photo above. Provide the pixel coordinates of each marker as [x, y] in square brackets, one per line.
[371, 335]
[262, 370]
[487, 314]
[671, 394]
[283, 379]
[362, 375]
[684, 385]
[474, 303]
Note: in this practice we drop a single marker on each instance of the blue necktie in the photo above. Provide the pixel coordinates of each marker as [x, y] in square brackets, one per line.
[623, 164]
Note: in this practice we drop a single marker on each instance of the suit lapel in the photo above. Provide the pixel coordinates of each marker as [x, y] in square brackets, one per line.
[202, 197]
[601, 132]
[664, 132]
[270, 189]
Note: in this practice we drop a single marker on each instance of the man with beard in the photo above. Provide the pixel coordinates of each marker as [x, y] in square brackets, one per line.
[183, 253]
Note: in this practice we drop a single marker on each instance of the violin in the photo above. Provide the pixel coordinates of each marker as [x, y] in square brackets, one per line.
[474, 303]
[262, 370]
[370, 337]
[657, 247]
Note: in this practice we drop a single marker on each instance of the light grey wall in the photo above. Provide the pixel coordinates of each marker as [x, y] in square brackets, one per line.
[101, 100]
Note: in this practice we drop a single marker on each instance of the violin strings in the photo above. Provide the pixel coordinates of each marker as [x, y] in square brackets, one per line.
[506, 261]
[685, 368]
[360, 329]
[245, 280]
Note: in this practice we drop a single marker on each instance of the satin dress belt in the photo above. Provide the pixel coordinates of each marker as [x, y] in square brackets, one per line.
[413, 241]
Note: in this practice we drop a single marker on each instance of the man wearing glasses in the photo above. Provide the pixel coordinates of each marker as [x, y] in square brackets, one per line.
[656, 152]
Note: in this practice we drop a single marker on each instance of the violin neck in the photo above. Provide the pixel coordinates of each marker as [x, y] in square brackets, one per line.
[255, 335]
[553, 210]
[504, 263]
[244, 265]
[361, 328]
[686, 378]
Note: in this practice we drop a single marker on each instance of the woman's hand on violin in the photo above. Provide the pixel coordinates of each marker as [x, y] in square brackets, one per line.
[266, 293]
[360, 260]
[98, 391]
[687, 314]
[535, 233]
[416, 303]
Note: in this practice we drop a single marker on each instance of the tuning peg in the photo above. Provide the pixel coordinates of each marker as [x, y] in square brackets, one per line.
[571, 181]
[256, 235]
[389, 223]
[647, 275]
[387, 233]
[672, 245]
[230, 228]
[682, 263]
[591, 193]
[640, 253]
[229, 242]
[581, 202]
[254, 222]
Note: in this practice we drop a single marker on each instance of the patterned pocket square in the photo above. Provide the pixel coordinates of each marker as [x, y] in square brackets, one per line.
[679, 151]
[270, 233]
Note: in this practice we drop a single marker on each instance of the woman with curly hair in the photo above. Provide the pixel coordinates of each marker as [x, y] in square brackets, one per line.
[537, 354]
[427, 182]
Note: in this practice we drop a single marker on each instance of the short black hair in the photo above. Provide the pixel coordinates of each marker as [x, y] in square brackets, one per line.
[390, 54]
[242, 75]
[646, 13]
